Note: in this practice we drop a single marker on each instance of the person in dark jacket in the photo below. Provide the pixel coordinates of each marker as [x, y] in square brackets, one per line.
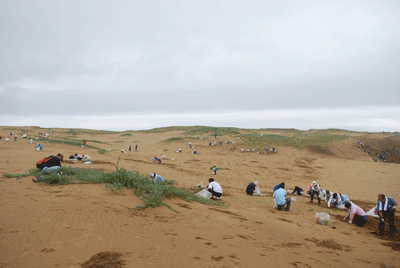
[279, 185]
[386, 207]
[251, 189]
[51, 166]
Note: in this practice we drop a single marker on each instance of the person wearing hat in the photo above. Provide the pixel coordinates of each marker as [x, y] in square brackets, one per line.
[155, 177]
[356, 214]
[386, 207]
[251, 188]
[315, 190]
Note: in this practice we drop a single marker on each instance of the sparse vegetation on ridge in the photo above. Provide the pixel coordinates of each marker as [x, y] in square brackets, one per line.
[153, 194]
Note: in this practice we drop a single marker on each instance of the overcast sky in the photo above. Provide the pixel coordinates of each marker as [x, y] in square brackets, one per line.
[129, 65]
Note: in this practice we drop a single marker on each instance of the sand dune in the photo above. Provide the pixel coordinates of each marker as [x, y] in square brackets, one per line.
[84, 226]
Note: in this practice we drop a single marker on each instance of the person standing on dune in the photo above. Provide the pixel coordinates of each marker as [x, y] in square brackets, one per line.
[386, 207]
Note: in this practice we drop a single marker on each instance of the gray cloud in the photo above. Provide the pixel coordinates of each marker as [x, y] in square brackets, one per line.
[129, 57]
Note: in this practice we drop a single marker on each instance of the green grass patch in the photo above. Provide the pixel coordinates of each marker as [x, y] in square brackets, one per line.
[201, 130]
[163, 129]
[177, 139]
[94, 141]
[90, 132]
[152, 194]
[296, 139]
[73, 143]
[31, 172]
[126, 134]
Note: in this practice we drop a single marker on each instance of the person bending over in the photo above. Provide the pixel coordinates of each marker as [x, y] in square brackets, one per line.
[157, 178]
[315, 190]
[356, 214]
[297, 190]
[214, 188]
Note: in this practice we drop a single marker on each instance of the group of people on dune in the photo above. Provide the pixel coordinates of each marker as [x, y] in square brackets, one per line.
[385, 207]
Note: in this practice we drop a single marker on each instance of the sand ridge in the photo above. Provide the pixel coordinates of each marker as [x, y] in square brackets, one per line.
[67, 225]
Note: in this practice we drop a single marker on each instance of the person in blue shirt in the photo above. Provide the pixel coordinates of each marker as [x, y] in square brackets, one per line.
[344, 198]
[39, 147]
[214, 170]
[281, 200]
[157, 178]
[385, 208]
[279, 185]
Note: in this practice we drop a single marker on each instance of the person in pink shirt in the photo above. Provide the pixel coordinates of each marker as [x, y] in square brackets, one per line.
[356, 214]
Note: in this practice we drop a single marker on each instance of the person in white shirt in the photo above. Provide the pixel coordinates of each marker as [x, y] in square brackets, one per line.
[214, 188]
[335, 200]
[315, 190]
[86, 158]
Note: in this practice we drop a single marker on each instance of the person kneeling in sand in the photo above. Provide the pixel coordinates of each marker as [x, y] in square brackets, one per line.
[335, 200]
[156, 160]
[281, 200]
[214, 188]
[252, 189]
[85, 158]
[155, 177]
[356, 214]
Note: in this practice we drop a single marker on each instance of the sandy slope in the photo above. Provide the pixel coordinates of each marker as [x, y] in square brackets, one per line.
[64, 226]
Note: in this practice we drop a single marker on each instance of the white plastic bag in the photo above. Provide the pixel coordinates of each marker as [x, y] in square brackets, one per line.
[204, 193]
[322, 218]
[371, 213]
[201, 185]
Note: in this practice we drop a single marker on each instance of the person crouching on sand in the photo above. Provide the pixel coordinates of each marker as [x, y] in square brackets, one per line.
[214, 188]
[253, 189]
[155, 177]
[281, 200]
